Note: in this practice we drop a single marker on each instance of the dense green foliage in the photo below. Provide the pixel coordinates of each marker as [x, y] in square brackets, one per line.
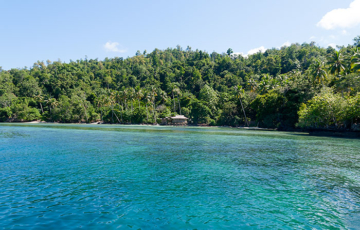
[330, 110]
[271, 89]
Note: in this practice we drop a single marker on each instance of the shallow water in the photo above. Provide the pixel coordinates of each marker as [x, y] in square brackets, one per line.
[135, 177]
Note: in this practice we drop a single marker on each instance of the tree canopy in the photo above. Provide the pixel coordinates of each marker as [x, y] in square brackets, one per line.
[302, 85]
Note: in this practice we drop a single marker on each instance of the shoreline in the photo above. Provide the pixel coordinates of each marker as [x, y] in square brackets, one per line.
[324, 133]
[99, 123]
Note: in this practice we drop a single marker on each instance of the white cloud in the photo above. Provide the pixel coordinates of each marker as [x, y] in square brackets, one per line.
[113, 47]
[342, 18]
[256, 50]
[261, 49]
[344, 32]
[312, 37]
[333, 45]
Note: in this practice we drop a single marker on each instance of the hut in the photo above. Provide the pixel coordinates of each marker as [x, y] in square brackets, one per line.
[177, 120]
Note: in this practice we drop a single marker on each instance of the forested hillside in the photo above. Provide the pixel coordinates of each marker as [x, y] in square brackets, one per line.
[297, 86]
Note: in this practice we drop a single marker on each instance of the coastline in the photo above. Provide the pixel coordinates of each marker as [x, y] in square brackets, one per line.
[310, 132]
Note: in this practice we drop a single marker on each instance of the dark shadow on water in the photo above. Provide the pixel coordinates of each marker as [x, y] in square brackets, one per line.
[339, 135]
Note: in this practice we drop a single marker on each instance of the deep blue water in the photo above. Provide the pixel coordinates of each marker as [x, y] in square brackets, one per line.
[133, 177]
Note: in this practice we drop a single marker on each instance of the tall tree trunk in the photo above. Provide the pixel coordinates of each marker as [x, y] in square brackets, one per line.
[179, 105]
[42, 110]
[154, 113]
[115, 115]
[147, 113]
[122, 110]
[50, 112]
[174, 102]
[85, 113]
[112, 114]
[246, 121]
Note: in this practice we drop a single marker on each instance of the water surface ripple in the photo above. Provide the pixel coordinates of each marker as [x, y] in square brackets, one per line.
[132, 177]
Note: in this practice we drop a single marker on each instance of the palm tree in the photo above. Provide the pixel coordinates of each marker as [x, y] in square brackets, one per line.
[132, 96]
[355, 61]
[82, 101]
[40, 99]
[98, 104]
[174, 89]
[52, 103]
[162, 94]
[336, 63]
[253, 85]
[102, 101]
[147, 98]
[112, 102]
[139, 94]
[177, 91]
[153, 95]
[318, 72]
[125, 95]
[274, 83]
[265, 83]
[239, 91]
[47, 100]
[118, 98]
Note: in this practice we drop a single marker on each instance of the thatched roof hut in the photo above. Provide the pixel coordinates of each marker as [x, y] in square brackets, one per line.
[177, 120]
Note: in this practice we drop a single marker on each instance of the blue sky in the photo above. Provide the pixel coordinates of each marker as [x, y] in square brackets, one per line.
[42, 30]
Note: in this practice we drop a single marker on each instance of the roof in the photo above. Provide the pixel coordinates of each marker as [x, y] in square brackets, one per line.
[182, 117]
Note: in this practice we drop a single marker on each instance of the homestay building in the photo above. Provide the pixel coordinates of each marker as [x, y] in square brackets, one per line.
[177, 120]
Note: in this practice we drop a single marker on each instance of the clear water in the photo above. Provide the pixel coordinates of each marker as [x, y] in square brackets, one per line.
[132, 177]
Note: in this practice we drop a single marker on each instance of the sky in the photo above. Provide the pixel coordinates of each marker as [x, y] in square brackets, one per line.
[35, 30]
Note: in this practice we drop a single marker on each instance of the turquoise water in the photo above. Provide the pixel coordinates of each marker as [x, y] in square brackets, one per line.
[133, 177]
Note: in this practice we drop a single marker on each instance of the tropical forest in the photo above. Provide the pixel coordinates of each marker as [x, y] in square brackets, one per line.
[301, 86]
